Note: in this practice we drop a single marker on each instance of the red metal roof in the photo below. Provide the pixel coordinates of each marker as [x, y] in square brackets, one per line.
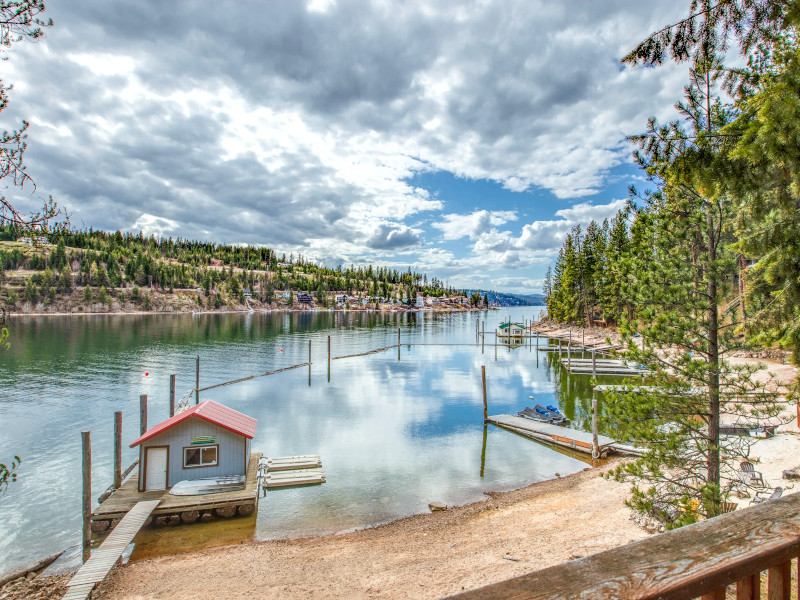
[212, 412]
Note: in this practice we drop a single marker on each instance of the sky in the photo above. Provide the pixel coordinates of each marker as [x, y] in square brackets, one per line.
[461, 139]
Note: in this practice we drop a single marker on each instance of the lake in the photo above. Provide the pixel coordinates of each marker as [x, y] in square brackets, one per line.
[394, 434]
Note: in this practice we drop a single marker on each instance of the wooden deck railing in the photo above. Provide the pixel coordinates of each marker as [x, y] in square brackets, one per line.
[727, 553]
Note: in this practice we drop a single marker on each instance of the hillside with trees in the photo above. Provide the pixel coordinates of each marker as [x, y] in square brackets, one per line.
[97, 271]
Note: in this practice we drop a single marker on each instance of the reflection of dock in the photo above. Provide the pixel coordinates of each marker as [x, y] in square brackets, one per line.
[187, 508]
[562, 436]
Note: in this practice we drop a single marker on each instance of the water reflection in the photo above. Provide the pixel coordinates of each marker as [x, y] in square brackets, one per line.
[393, 434]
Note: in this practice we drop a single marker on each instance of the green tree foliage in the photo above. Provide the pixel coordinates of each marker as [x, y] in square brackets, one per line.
[767, 184]
[679, 262]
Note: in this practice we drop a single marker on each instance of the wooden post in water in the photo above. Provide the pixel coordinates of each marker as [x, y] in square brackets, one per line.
[594, 363]
[595, 447]
[483, 385]
[569, 350]
[559, 348]
[329, 358]
[142, 413]
[483, 449]
[172, 395]
[398, 343]
[117, 449]
[86, 498]
[197, 382]
[483, 341]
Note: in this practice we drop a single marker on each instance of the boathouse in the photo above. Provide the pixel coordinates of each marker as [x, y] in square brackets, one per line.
[206, 440]
[511, 330]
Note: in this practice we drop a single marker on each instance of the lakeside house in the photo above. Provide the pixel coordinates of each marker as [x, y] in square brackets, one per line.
[206, 440]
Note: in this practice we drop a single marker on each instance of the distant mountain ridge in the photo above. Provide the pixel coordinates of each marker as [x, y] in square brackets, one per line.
[504, 299]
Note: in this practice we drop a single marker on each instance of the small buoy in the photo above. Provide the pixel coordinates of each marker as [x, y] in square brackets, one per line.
[281, 349]
[146, 373]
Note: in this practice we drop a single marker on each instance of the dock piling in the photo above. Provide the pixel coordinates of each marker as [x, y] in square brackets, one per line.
[197, 382]
[117, 449]
[86, 443]
[172, 395]
[329, 358]
[142, 413]
[398, 343]
[594, 363]
[483, 385]
[595, 448]
[483, 449]
[569, 350]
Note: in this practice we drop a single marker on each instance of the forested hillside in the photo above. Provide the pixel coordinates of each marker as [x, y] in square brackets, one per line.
[70, 270]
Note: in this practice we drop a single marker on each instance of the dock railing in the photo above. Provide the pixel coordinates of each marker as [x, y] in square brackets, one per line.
[735, 553]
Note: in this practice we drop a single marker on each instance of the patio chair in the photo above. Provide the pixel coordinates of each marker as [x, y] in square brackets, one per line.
[749, 476]
[758, 499]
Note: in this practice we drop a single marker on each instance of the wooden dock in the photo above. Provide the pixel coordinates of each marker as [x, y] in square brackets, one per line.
[126, 497]
[562, 436]
[601, 367]
[106, 556]
[555, 434]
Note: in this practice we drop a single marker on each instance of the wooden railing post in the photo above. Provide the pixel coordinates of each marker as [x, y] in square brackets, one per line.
[779, 582]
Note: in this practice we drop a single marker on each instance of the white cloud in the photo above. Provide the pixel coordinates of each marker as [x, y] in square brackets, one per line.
[472, 225]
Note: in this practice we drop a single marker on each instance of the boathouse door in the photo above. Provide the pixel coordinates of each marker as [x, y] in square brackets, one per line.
[156, 469]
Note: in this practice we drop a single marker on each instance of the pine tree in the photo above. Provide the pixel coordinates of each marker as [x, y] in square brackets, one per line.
[677, 270]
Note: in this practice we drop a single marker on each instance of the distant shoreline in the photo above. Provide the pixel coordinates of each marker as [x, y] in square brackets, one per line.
[243, 311]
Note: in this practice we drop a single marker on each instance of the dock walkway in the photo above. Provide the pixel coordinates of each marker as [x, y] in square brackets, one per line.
[99, 564]
[562, 436]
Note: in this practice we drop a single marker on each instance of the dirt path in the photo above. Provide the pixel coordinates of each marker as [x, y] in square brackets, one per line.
[425, 556]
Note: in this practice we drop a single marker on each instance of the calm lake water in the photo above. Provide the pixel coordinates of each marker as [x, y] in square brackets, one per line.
[393, 434]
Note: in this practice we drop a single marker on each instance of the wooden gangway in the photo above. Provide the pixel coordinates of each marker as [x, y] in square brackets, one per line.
[106, 556]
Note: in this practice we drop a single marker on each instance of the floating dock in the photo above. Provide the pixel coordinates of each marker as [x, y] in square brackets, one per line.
[555, 434]
[601, 367]
[561, 436]
[187, 508]
[290, 471]
[290, 463]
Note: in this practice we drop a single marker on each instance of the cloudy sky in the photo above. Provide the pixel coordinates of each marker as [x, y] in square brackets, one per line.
[462, 139]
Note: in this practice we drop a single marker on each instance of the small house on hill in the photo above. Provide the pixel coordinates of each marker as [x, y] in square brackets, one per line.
[207, 440]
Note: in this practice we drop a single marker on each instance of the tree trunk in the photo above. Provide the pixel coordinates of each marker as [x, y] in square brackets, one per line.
[713, 473]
